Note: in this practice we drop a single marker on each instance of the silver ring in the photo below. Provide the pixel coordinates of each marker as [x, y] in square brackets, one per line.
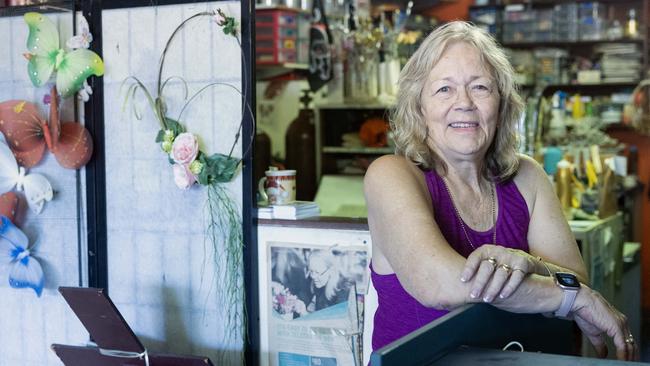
[629, 339]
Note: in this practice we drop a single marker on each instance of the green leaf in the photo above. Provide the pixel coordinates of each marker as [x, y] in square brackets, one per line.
[203, 178]
[160, 136]
[217, 168]
[230, 26]
[174, 125]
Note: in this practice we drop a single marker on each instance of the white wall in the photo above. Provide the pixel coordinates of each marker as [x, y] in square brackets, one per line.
[160, 275]
[274, 115]
[29, 324]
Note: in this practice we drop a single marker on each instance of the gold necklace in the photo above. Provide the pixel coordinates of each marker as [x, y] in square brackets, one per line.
[462, 225]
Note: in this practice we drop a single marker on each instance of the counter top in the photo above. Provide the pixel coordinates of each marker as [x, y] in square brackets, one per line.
[361, 223]
[487, 357]
[582, 226]
[320, 222]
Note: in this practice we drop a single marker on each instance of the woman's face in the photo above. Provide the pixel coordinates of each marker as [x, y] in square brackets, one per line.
[460, 103]
[319, 271]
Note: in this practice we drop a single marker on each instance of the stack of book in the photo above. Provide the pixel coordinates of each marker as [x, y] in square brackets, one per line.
[293, 211]
[620, 63]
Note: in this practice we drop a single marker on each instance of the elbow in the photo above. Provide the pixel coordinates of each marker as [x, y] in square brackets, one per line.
[437, 297]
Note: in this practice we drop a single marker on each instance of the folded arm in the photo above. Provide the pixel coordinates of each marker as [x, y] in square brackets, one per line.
[407, 241]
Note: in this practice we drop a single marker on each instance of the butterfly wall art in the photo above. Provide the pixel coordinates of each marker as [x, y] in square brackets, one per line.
[8, 205]
[26, 271]
[46, 57]
[28, 134]
[37, 188]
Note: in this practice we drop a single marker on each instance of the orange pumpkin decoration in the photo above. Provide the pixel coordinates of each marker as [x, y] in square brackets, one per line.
[373, 132]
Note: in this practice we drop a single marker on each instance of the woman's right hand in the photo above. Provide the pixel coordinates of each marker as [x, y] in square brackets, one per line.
[596, 317]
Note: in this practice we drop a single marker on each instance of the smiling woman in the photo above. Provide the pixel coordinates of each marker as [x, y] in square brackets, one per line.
[457, 216]
[460, 103]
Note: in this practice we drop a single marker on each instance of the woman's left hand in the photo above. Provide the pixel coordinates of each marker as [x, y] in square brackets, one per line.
[497, 271]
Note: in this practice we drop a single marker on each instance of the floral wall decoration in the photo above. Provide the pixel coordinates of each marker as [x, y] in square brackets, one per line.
[191, 167]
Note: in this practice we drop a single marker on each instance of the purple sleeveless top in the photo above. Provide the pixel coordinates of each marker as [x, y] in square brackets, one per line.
[399, 313]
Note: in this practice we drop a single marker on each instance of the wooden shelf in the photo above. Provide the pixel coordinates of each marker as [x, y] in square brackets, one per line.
[267, 71]
[546, 3]
[281, 7]
[357, 150]
[590, 89]
[374, 105]
[573, 44]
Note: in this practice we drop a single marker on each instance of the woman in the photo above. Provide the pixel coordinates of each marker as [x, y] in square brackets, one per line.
[329, 286]
[457, 216]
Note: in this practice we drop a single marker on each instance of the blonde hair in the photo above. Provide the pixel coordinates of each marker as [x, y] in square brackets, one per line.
[408, 124]
[332, 284]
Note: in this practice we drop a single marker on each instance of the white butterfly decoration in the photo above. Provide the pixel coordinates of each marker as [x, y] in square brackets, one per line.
[83, 39]
[37, 188]
[85, 92]
[25, 272]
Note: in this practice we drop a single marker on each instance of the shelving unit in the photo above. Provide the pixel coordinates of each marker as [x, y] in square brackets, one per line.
[590, 89]
[335, 120]
[282, 40]
[356, 150]
[615, 10]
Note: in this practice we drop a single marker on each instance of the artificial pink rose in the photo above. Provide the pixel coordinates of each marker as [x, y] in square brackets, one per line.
[182, 176]
[185, 148]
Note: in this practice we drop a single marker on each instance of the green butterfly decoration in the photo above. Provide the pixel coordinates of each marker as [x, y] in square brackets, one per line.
[46, 57]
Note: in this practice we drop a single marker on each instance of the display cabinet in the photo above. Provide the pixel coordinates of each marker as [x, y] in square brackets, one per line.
[339, 150]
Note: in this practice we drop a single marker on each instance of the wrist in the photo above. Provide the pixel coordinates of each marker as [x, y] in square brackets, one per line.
[555, 301]
[570, 285]
[583, 298]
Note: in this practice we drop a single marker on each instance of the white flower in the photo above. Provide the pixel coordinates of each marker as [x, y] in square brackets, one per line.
[85, 92]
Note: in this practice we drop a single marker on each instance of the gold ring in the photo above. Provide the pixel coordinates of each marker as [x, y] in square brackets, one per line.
[505, 267]
[629, 339]
[492, 261]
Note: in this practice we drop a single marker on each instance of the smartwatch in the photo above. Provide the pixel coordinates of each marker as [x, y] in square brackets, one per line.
[570, 285]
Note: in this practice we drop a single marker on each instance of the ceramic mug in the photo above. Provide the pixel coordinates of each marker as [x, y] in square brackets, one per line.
[278, 187]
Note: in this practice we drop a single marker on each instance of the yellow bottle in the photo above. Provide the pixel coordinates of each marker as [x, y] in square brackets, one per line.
[564, 187]
[632, 26]
[578, 107]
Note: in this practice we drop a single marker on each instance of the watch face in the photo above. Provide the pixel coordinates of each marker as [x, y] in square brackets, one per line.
[567, 280]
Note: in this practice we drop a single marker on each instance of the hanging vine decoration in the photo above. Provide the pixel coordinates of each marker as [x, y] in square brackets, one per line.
[192, 166]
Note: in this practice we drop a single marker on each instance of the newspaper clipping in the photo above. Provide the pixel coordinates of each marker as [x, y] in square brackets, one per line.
[316, 305]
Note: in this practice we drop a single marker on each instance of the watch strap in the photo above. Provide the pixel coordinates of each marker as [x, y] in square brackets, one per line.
[567, 302]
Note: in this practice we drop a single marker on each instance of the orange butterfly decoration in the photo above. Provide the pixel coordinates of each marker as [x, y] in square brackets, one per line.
[28, 134]
[8, 204]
